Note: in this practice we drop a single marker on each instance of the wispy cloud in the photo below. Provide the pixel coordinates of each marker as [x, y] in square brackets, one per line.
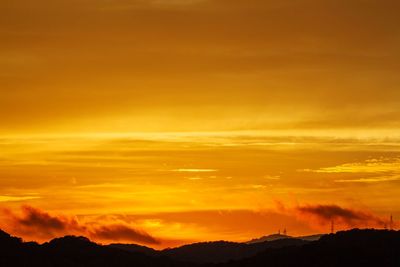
[17, 198]
[369, 166]
[195, 178]
[272, 177]
[369, 180]
[195, 170]
[371, 171]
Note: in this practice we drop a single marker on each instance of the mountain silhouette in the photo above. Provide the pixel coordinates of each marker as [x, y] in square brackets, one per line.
[349, 248]
[211, 252]
[354, 248]
[135, 248]
[222, 251]
[72, 251]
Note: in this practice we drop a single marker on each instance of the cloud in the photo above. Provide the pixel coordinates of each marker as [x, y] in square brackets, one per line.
[195, 170]
[377, 170]
[369, 180]
[17, 198]
[119, 232]
[42, 224]
[345, 216]
[36, 218]
[36, 224]
[381, 165]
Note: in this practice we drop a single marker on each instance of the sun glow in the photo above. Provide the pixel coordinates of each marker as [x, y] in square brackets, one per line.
[172, 120]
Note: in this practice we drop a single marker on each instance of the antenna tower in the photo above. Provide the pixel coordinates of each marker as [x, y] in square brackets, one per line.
[391, 222]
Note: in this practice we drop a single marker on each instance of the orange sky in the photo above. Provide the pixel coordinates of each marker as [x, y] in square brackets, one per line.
[166, 122]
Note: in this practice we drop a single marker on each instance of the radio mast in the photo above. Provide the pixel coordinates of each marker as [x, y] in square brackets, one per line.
[391, 222]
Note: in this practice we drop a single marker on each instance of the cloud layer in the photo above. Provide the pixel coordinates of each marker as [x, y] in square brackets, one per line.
[40, 225]
[345, 216]
[188, 227]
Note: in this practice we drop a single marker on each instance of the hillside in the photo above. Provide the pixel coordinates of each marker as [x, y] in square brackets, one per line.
[350, 248]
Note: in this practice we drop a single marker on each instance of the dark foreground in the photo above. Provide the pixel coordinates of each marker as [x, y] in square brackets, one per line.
[365, 248]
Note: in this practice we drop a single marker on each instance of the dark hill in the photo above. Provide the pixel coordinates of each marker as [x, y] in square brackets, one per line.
[222, 251]
[71, 251]
[351, 248]
[135, 248]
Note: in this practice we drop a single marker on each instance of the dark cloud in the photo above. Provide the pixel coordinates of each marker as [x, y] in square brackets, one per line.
[34, 218]
[119, 232]
[325, 213]
[40, 225]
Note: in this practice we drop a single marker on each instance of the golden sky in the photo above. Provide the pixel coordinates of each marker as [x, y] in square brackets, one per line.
[163, 122]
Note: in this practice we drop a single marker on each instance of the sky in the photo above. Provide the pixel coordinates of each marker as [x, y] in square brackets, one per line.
[169, 122]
